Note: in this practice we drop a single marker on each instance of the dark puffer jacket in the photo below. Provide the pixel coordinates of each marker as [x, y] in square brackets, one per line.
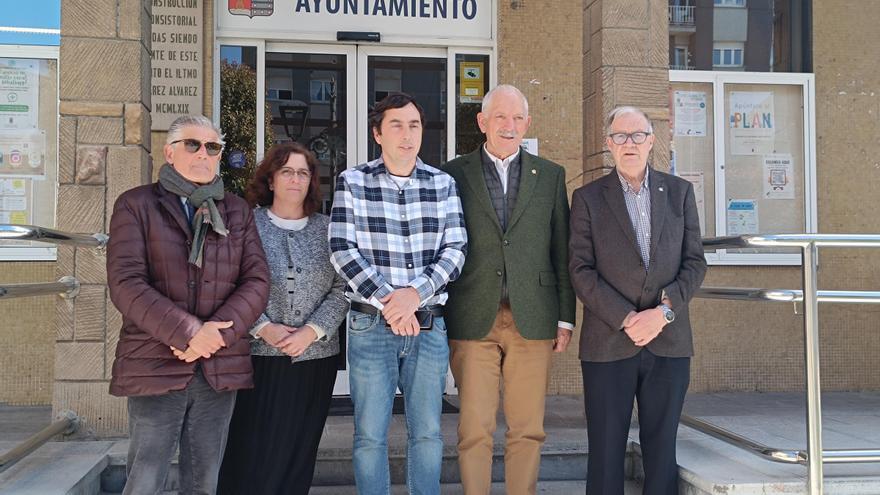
[164, 300]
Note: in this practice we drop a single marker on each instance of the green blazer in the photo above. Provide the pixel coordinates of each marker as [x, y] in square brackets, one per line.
[533, 252]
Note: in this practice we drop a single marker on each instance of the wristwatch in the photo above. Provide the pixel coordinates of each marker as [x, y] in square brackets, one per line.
[668, 313]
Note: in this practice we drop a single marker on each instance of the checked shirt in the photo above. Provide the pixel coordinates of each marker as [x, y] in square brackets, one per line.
[384, 236]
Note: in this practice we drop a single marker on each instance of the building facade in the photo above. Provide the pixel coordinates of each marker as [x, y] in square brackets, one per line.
[310, 70]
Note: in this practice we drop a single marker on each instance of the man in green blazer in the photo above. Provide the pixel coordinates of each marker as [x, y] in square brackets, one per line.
[513, 304]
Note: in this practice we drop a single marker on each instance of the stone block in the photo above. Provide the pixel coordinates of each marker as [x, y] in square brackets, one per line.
[91, 108]
[625, 14]
[595, 17]
[127, 167]
[595, 51]
[658, 34]
[102, 414]
[103, 70]
[89, 18]
[66, 150]
[641, 87]
[64, 318]
[624, 47]
[91, 164]
[79, 361]
[137, 124]
[91, 266]
[89, 313]
[81, 208]
[99, 130]
[131, 20]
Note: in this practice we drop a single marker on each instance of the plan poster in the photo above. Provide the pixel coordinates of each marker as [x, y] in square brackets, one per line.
[689, 113]
[19, 93]
[752, 122]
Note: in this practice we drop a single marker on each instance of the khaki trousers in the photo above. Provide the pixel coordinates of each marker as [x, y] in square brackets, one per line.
[481, 368]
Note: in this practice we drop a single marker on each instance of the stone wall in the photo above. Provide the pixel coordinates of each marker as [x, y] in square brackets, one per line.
[104, 151]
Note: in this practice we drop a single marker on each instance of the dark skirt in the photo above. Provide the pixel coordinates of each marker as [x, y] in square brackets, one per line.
[276, 427]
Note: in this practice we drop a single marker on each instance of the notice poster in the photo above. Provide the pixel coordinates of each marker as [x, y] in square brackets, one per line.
[19, 93]
[742, 216]
[778, 176]
[752, 122]
[14, 200]
[177, 58]
[697, 180]
[22, 153]
[471, 82]
[689, 113]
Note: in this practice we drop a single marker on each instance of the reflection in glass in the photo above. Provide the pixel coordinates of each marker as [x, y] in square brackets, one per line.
[425, 80]
[306, 95]
[238, 115]
[755, 36]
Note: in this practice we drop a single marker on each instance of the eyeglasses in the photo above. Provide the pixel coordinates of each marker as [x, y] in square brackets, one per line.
[619, 138]
[193, 146]
[289, 174]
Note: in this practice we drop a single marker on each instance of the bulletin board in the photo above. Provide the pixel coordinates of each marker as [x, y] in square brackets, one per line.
[746, 141]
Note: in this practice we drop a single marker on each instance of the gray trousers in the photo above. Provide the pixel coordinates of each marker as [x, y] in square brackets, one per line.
[198, 418]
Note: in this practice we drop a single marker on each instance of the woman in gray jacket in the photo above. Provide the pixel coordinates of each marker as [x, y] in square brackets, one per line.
[276, 427]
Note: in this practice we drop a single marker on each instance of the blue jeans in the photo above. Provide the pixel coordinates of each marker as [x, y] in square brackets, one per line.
[379, 362]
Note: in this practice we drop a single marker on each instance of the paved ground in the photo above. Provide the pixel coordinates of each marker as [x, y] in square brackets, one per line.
[851, 420]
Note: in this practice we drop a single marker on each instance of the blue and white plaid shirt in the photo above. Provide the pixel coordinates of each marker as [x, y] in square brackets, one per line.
[638, 205]
[384, 237]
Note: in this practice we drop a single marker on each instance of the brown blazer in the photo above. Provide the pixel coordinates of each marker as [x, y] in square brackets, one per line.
[164, 300]
[608, 273]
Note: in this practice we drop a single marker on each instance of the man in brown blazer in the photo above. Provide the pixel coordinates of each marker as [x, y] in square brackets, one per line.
[636, 259]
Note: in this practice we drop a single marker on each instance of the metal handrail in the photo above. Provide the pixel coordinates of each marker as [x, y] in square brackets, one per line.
[814, 456]
[13, 232]
[66, 287]
[784, 456]
[66, 423]
[787, 295]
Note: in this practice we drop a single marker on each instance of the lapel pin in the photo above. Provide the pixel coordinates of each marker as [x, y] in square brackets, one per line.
[534, 172]
[660, 189]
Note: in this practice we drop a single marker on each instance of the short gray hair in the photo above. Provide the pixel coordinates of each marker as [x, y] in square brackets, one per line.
[191, 121]
[504, 88]
[624, 110]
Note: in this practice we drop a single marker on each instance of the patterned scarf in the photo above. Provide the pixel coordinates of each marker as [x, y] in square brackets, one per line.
[203, 197]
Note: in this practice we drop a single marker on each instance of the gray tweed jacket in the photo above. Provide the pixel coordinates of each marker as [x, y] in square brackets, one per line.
[317, 295]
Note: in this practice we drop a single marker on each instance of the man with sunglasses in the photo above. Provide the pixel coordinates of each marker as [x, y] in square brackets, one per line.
[186, 270]
[636, 259]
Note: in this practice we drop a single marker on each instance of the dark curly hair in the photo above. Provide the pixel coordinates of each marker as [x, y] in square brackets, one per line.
[258, 192]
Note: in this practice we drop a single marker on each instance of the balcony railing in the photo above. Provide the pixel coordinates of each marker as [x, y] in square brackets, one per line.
[681, 67]
[681, 15]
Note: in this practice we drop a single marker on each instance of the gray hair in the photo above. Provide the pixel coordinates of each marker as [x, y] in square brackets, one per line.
[179, 123]
[504, 88]
[624, 110]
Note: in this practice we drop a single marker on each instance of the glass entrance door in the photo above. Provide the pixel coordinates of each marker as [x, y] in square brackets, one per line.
[417, 72]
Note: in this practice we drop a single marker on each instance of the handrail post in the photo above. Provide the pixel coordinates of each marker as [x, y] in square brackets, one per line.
[811, 370]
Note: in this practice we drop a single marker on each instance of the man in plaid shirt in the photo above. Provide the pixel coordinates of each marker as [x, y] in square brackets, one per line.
[397, 237]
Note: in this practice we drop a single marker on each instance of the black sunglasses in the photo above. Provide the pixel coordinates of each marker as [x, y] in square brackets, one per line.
[193, 146]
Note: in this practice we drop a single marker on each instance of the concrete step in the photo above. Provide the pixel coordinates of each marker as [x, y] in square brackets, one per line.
[851, 420]
[62, 468]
